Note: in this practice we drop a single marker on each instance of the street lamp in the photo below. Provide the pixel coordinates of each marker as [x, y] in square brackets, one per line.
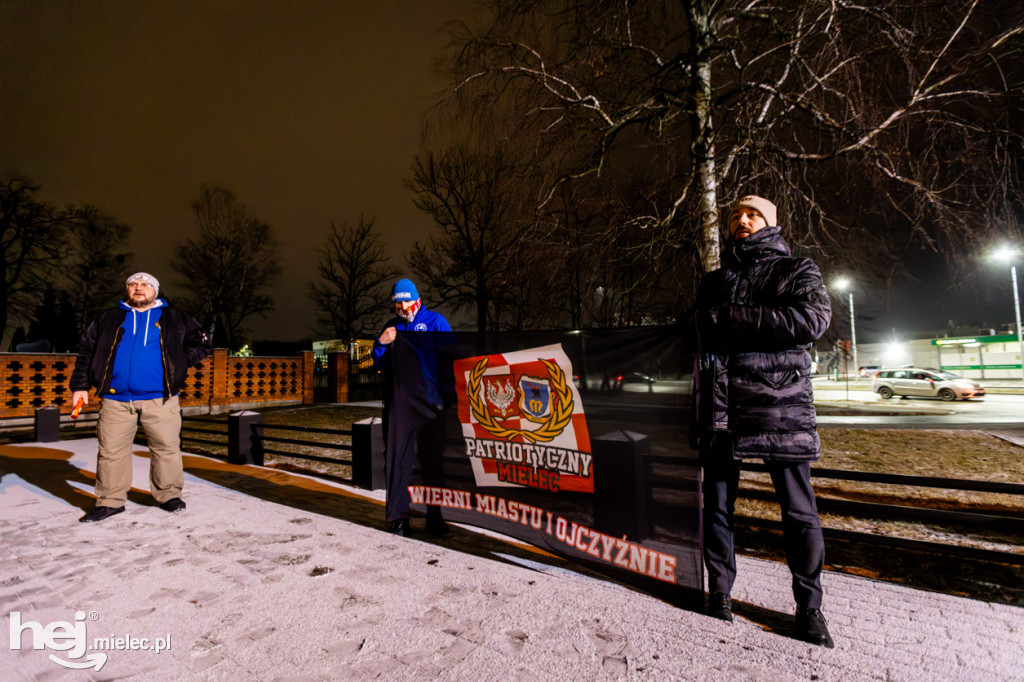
[844, 284]
[1009, 254]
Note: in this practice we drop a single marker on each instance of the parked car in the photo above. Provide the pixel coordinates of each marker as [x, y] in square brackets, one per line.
[635, 378]
[634, 381]
[870, 370]
[915, 382]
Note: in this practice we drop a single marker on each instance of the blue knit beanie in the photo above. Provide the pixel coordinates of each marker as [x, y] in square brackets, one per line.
[404, 290]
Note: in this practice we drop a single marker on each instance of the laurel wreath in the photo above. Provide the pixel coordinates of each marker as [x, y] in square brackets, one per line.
[556, 422]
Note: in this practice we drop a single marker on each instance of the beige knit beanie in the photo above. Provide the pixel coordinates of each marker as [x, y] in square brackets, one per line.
[763, 206]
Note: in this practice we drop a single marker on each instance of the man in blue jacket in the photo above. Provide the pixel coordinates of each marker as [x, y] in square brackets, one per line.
[752, 325]
[136, 356]
[413, 406]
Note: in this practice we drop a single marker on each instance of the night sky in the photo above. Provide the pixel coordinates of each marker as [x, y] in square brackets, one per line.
[921, 304]
[310, 112]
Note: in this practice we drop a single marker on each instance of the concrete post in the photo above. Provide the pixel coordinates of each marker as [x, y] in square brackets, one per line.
[47, 426]
[368, 454]
[242, 447]
[620, 490]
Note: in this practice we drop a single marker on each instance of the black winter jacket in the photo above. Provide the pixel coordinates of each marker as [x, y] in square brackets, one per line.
[753, 323]
[183, 344]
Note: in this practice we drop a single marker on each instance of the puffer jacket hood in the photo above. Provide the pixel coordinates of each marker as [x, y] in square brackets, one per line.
[765, 243]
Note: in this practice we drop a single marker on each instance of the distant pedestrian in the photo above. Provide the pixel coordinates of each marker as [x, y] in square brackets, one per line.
[752, 325]
[415, 431]
[136, 356]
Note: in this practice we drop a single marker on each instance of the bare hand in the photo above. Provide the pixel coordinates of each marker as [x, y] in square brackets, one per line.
[80, 395]
[387, 336]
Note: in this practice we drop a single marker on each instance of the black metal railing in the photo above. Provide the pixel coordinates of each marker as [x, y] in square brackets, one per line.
[260, 439]
[1005, 520]
[198, 430]
[200, 425]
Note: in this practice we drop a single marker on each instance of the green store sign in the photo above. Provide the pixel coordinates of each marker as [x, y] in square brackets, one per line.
[970, 340]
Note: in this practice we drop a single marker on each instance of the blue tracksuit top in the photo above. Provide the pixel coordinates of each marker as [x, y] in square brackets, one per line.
[425, 321]
[138, 372]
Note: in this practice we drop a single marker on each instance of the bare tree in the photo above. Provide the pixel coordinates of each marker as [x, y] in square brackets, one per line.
[476, 201]
[32, 244]
[226, 269]
[875, 126]
[54, 321]
[354, 272]
[606, 271]
[98, 263]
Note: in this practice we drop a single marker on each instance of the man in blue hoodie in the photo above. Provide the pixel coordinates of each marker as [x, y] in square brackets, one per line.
[136, 356]
[413, 406]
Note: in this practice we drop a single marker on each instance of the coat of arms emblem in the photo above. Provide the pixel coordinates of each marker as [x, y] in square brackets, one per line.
[500, 395]
[534, 398]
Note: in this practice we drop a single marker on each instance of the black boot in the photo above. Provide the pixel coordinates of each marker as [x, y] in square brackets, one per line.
[175, 504]
[437, 526]
[720, 606]
[100, 513]
[399, 527]
[812, 627]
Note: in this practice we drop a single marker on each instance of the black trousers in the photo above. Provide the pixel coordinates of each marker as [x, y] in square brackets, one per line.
[407, 438]
[801, 527]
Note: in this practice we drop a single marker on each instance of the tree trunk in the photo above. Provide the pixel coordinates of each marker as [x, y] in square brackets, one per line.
[703, 146]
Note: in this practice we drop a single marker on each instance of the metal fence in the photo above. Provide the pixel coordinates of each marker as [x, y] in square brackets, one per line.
[199, 430]
[943, 517]
[260, 436]
[244, 439]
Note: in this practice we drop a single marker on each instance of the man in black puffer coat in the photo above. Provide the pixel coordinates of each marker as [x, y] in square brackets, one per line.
[752, 326]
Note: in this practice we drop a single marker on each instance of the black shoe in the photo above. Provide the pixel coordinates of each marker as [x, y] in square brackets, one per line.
[437, 526]
[100, 513]
[175, 504]
[399, 527]
[720, 606]
[812, 627]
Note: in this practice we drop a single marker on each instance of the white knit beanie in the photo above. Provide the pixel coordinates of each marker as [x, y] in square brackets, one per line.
[145, 278]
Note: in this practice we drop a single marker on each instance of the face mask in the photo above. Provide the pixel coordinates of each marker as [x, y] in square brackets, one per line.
[407, 309]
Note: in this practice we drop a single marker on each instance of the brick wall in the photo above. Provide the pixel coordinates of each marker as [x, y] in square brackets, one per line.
[32, 380]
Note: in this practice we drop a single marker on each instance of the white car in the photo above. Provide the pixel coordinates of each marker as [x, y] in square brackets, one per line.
[924, 383]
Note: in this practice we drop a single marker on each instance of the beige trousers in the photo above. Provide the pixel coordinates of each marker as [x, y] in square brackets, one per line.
[118, 423]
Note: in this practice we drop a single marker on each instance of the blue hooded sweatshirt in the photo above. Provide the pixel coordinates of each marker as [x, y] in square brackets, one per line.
[138, 372]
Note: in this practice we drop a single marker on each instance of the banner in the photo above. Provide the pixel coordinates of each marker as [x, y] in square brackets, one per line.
[575, 442]
[523, 421]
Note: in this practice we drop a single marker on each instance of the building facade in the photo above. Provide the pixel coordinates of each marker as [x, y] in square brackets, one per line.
[996, 356]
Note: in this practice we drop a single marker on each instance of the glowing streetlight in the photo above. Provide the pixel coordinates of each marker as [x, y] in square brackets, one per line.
[844, 284]
[896, 354]
[1009, 254]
